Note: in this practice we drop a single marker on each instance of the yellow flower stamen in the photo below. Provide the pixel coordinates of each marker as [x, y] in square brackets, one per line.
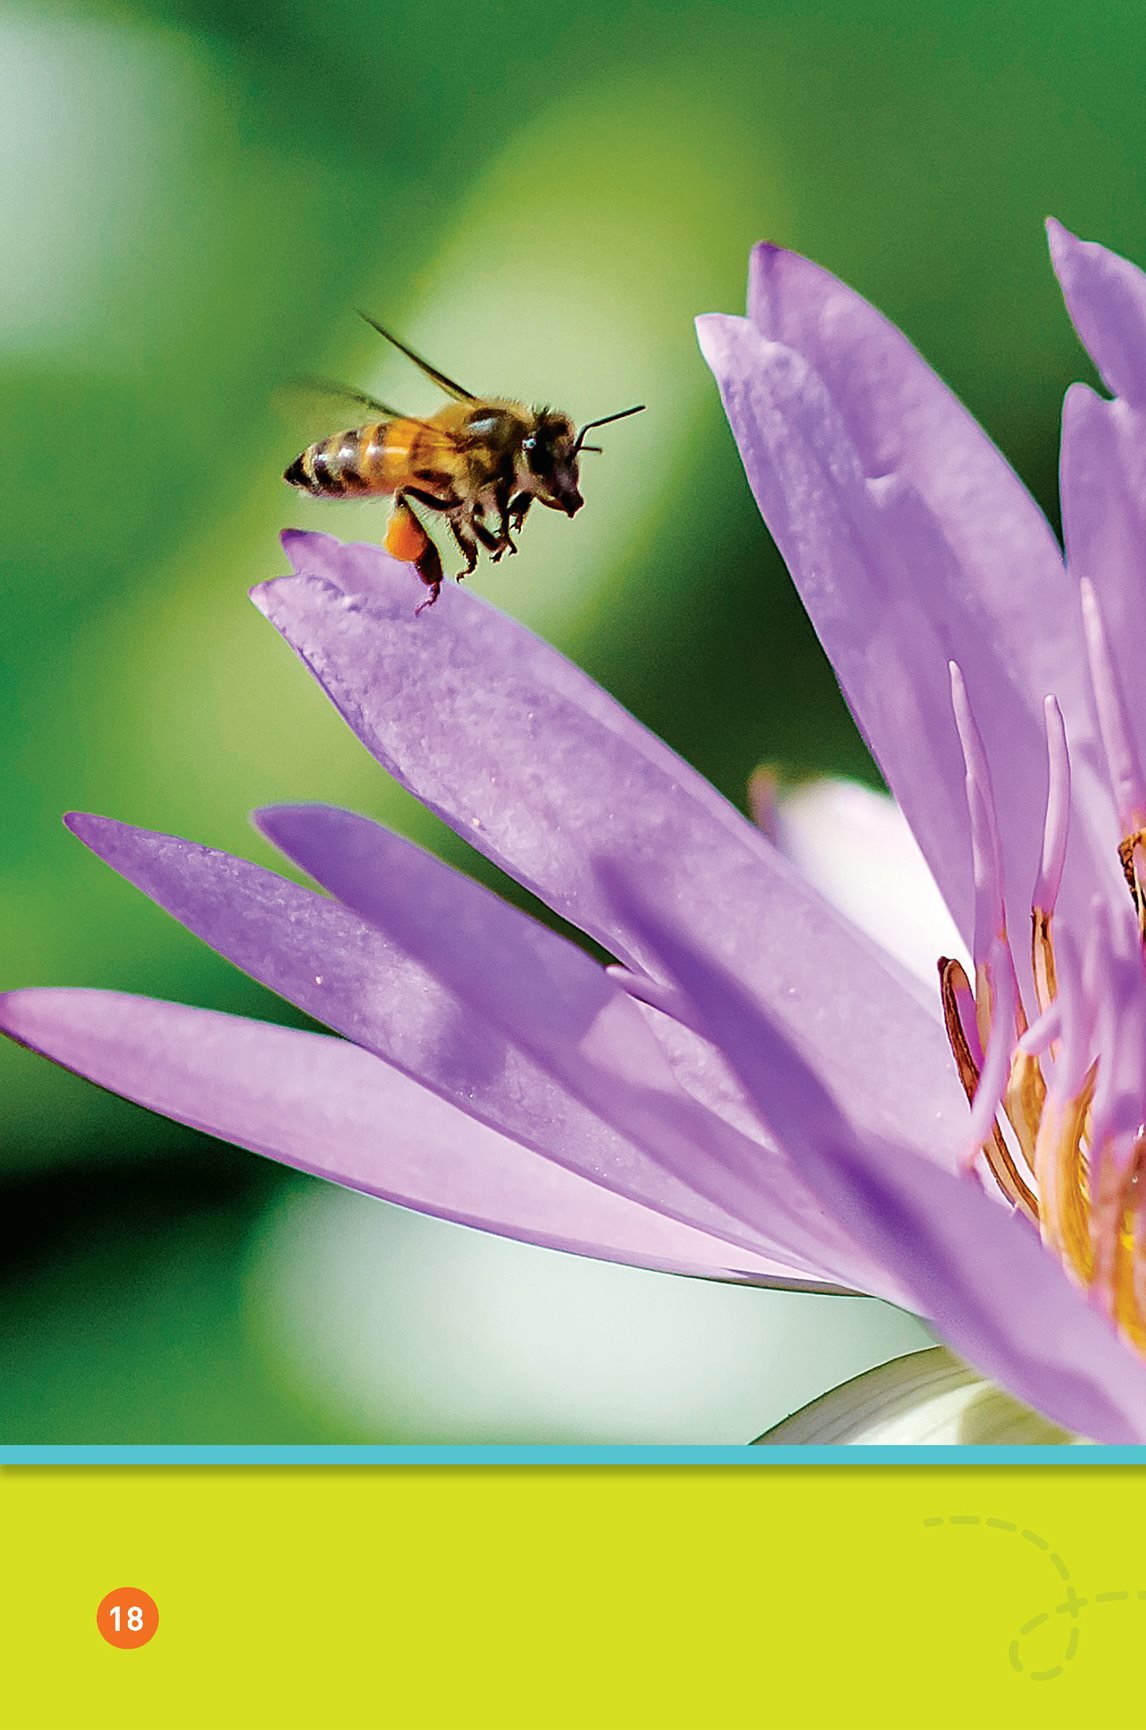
[1088, 1202]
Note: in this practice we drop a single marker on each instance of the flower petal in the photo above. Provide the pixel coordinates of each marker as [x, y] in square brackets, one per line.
[902, 419]
[855, 846]
[927, 1398]
[532, 763]
[1106, 298]
[402, 1006]
[555, 1003]
[976, 1272]
[1103, 468]
[912, 544]
[328, 1107]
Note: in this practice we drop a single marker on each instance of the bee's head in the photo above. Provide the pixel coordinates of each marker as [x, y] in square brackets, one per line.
[551, 455]
[551, 451]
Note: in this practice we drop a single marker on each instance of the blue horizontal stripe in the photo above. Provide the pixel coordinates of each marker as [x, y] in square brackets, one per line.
[570, 1456]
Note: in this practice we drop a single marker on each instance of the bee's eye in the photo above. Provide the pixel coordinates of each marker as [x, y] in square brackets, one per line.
[537, 454]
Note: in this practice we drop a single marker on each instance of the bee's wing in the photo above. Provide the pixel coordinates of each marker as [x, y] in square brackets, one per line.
[439, 378]
[325, 399]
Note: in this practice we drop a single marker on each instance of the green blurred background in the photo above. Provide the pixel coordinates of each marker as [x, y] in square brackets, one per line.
[193, 199]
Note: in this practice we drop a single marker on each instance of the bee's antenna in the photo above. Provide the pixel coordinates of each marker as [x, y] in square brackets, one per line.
[604, 421]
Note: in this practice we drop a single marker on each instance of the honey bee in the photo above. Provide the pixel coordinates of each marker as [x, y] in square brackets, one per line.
[478, 462]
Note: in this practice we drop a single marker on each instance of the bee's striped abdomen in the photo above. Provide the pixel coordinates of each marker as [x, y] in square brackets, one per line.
[377, 459]
[346, 465]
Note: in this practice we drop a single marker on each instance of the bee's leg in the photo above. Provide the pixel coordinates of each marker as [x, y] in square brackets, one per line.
[494, 504]
[518, 511]
[467, 545]
[426, 560]
[505, 516]
[428, 565]
[407, 540]
[493, 544]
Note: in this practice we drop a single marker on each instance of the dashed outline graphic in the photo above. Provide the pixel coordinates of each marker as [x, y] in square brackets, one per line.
[1072, 1604]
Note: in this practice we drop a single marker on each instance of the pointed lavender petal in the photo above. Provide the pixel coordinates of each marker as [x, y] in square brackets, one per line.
[1106, 298]
[902, 419]
[975, 1271]
[359, 981]
[325, 1106]
[539, 769]
[1103, 466]
[555, 1002]
[912, 543]
[355, 567]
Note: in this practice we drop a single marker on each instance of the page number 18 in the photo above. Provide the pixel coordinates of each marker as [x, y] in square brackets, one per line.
[127, 1618]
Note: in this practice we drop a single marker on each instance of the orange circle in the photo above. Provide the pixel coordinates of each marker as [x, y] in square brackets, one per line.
[127, 1618]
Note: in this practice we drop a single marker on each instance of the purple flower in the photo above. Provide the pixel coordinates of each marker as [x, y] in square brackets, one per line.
[757, 1090]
